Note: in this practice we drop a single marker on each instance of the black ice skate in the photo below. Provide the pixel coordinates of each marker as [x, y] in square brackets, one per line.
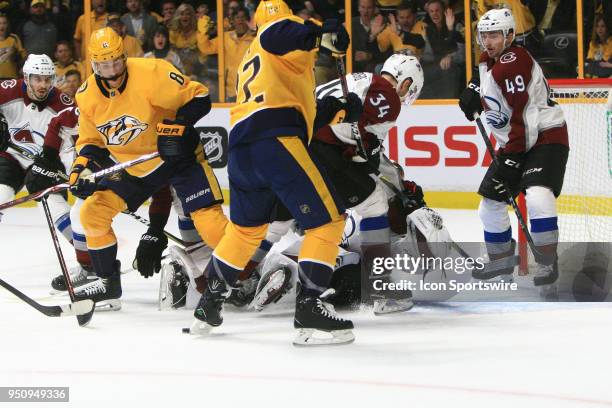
[79, 276]
[173, 286]
[315, 317]
[105, 292]
[208, 311]
[244, 291]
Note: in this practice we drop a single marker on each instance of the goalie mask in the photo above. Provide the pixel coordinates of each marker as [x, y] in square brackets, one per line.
[39, 76]
[402, 68]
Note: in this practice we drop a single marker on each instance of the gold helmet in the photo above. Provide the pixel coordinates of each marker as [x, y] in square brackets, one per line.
[270, 10]
[105, 46]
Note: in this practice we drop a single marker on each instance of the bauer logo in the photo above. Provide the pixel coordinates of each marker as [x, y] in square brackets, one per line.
[122, 130]
[214, 141]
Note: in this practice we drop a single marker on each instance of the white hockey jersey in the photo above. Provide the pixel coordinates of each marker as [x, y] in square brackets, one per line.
[516, 101]
[27, 120]
[381, 104]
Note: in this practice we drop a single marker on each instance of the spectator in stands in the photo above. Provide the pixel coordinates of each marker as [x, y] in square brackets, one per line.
[403, 33]
[232, 7]
[161, 48]
[130, 43]
[72, 81]
[202, 10]
[325, 9]
[235, 44]
[98, 20]
[12, 52]
[64, 62]
[599, 58]
[366, 28]
[553, 16]
[184, 37]
[168, 10]
[138, 22]
[38, 33]
[443, 57]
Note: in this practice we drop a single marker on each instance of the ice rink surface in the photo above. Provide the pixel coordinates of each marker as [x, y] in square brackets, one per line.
[437, 355]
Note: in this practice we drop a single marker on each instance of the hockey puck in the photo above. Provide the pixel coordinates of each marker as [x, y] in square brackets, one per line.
[186, 330]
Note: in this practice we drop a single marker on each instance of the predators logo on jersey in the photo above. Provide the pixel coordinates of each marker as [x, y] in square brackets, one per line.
[122, 130]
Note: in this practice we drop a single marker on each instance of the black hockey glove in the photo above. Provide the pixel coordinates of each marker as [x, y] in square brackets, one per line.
[507, 170]
[149, 252]
[46, 171]
[354, 108]
[5, 136]
[81, 185]
[175, 142]
[334, 39]
[329, 111]
[469, 100]
[412, 196]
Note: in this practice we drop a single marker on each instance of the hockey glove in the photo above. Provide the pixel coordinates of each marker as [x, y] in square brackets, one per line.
[469, 100]
[508, 170]
[175, 141]
[46, 171]
[5, 136]
[412, 196]
[334, 39]
[149, 252]
[330, 111]
[81, 185]
[354, 107]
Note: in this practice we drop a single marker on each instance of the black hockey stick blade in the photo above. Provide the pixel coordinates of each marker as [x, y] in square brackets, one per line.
[82, 307]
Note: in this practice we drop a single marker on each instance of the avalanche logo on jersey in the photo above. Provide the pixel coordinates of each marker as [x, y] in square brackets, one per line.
[495, 117]
[24, 136]
[122, 130]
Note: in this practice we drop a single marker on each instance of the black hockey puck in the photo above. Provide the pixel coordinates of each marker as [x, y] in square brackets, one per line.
[186, 330]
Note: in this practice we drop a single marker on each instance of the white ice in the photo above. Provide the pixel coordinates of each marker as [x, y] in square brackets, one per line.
[450, 355]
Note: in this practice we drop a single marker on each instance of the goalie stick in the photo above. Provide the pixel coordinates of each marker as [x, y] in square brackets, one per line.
[64, 186]
[548, 259]
[72, 309]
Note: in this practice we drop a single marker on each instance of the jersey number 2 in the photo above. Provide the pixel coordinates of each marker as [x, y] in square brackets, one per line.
[256, 63]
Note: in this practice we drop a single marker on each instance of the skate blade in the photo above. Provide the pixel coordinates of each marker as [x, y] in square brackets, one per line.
[270, 293]
[389, 306]
[314, 337]
[199, 328]
[111, 305]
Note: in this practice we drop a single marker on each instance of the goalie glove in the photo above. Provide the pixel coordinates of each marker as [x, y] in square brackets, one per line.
[334, 39]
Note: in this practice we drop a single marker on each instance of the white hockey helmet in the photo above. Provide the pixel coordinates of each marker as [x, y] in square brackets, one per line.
[496, 20]
[38, 64]
[403, 67]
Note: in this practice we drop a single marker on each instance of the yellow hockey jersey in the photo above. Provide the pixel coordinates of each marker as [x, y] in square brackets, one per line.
[124, 120]
[284, 79]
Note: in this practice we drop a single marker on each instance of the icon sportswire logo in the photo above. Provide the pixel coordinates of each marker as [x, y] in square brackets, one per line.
[122, 130]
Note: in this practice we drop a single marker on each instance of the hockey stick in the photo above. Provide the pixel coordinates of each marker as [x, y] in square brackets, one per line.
[548, 259]
[22, 152]
[85, 318]
[95, 176]
[146, 222]
[361, 151]
[72, 309]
